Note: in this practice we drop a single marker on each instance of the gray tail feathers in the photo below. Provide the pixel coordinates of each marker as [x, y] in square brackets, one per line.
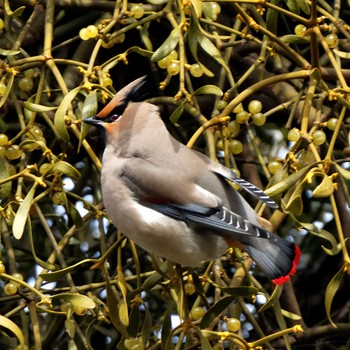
[277, 257]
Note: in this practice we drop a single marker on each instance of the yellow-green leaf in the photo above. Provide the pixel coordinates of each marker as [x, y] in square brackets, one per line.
[197, 6]
[123, 313]
[75, 299]
[331, 290]
[295, 203]
[168, 45]
[22, 213]
[157, 2]
[205, 344]
[61, 112]
[113, 309]
[65, 168]
[34, 107]
[15, 13]
[12, 327]
[343, 172]
[281, 187]
[4, 52]
[69, 325]
[342, 54]
[325, 188]
[313, 229]
[291, 315]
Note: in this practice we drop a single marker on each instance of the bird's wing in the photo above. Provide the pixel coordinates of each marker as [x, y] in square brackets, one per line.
[219, 219]
[231, 176]
[166, 183]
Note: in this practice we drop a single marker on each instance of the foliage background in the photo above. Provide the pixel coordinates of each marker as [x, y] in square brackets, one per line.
[77, 293]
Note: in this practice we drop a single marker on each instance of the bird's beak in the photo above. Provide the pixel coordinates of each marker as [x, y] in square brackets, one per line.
[92, 121]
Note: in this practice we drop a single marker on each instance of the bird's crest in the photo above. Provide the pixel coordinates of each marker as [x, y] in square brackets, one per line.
[136, 91]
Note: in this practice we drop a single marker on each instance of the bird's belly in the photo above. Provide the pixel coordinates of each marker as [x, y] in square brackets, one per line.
[166, 237]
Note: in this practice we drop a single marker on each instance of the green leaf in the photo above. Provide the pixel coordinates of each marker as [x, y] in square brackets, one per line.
[156, 277]
[211, 50]
[166, 329]
[147, 329]
[75, 299]
[193, 44]
[168, 45]
[4, 52]
[175, 116]
[12, 327]
[75, 215]
[56, 275]
[89, 110]
[4, 97]
[134, 321]
[5, 188]
[272, 17]
[331, 290]
[34, 107]
[61, 112]
[208, 90]
[240, 291]
[273, 298]
[22, 213]
[304, 6]
[295, 39]
[215, 311]
[293, 6]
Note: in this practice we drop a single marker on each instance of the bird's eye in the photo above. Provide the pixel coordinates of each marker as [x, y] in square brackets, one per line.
[114, 117]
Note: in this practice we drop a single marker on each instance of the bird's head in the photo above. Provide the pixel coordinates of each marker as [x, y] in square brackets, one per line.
[114, 110]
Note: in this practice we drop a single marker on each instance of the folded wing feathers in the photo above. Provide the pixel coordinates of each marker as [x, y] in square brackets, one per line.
[257, 192]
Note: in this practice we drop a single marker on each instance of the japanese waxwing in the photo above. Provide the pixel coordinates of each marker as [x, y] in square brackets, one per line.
[175, 202]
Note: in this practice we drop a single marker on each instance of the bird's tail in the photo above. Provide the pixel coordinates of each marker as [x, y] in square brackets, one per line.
[277, 257]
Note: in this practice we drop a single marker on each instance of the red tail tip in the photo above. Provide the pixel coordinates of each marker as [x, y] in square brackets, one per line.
[293, 270]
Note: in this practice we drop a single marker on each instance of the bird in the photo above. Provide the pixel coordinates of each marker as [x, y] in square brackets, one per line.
[175, 202]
